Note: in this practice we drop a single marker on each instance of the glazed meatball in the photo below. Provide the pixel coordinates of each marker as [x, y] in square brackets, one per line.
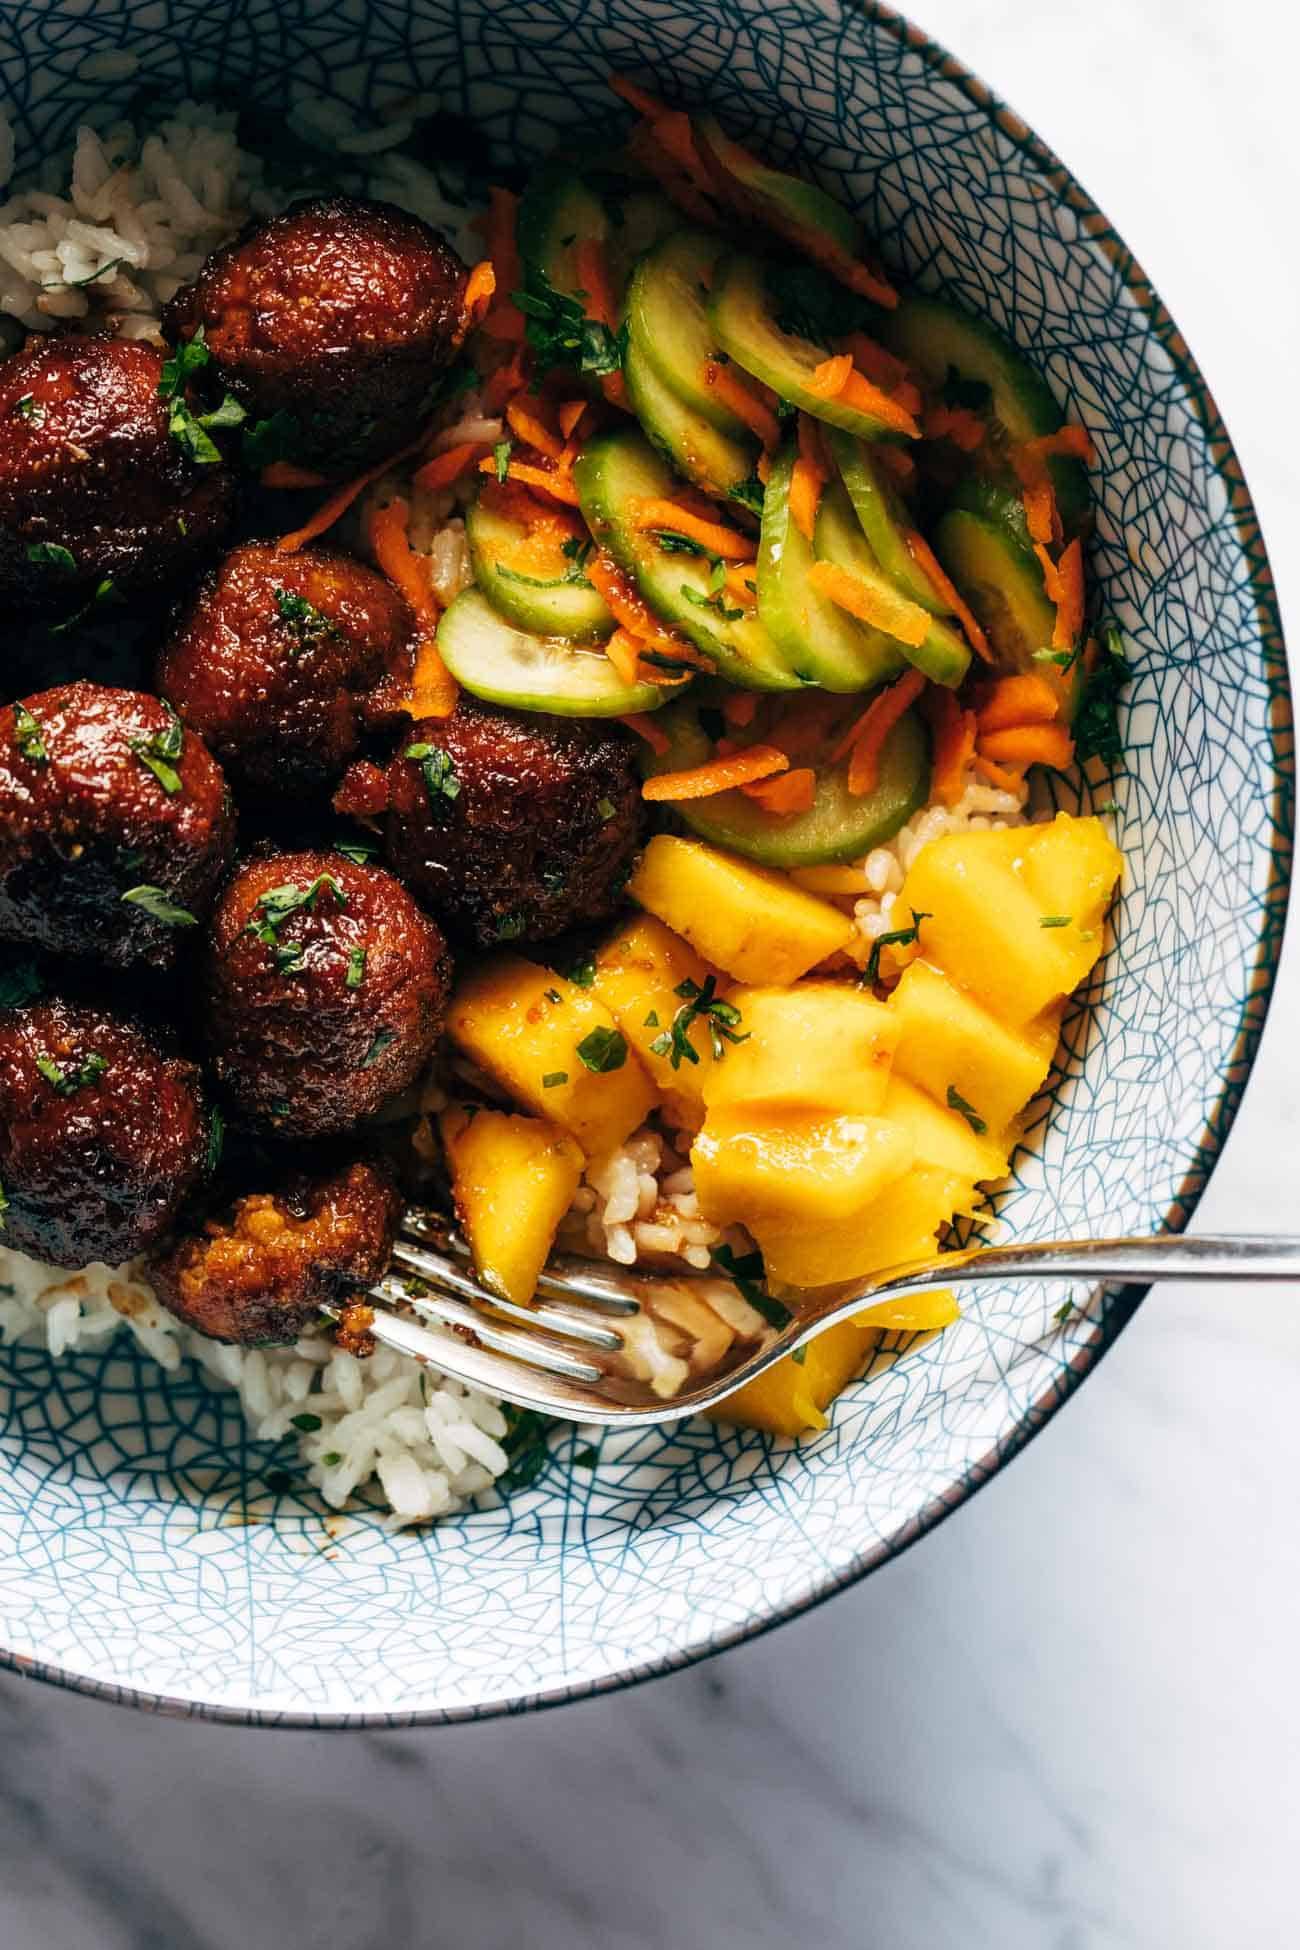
[97, 498]
[115, 825]
[284, 661]
[324, 988]
[336, 316]
[259, 1268]
[540, 832]
[103, 1133]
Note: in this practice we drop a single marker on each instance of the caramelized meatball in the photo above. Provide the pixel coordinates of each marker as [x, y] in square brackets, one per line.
[284, 661]
[337, 315]
[540, 832]
[103, 1133]
[115, 825]
[94, 490]
[259, 1269]
[324, 988]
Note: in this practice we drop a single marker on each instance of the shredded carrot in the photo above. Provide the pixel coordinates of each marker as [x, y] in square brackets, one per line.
[447, 467]
[878, 605]
[1072, 442]
[791, 792]
[806, 484]
[287, 474]
[645, 727]
[741, 583]
[1069, 607]
[998, 775]
[569, 415]
[656, 512]
[528, 426]
[739, 709]
[874, 727]
[898, 462]
[637, 98]
[1040, 510]
[746, 404]
[954, 732]
[908, 687]
[719, 775]
[830, 378]
[956, 423]
[433, 688]
[504, 320]
[628, 609]
[1022, 699]
[550, 482]
[593, 275]
[479, 287]
[803, 725]
[509, 378]
[859, 393]
[336, 506]
[763, 467]
[680, 186]
[885, 368]
[624, 652]
[928, 562]
[1029, 744]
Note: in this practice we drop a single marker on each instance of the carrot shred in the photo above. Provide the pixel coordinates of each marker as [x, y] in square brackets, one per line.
[806, 484]
[448, 466]
[532, 430]
[1069, 442]
[836, 378]
[744, 403]
[550, 481]
[829, 379]
[911, 680]
[643, 724]
[677, 184]
[789, 792]
[763, 467]
[624, 652]
[1069, 608]
[593, 275]
[959, 424]
[883, 608]
[1040, 511]
[628, 609]
[638, 99]
[503, 318]
[656, 512]
[998, 775]
[954, 733]
[569, 415]
[1022, 699]
[739, 708]
[479, 287]
[433, 688]
[287, 474]
[1029, 744]
[884, 368]
[947, 591]
[719, 775]
[337, 504]
[867, 739]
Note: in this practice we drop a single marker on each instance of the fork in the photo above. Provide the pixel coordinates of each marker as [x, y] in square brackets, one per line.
[565, 1355]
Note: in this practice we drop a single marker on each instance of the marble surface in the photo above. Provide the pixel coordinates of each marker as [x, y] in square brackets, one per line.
[1069, 1718]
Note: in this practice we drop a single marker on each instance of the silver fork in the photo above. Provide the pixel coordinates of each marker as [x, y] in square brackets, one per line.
[564, 1356]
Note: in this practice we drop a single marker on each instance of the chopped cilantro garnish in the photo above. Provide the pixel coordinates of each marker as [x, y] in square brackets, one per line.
[189, 358]
[356, 974]
[501, 458]
[554, 1078]
[1096, 724]
[158, 904]
[575, 550]
[20, 982]
[1107, 806]
[216, 1140]
[28, 737]
[561, 334]
[191, 430]
[438, 772]
[713, 602]
[957, 1102]
[1063, 1312]
[809, 304]
[1063, 658]
[511, 926]
[583, 973]
[304, 623]
[652, 1020]
[360, 852]
[156, 753]
[674, 544]
[745, 1271]
[899, 938]
[525, 1444]
[606, 808]
[27, 409]
[1055, 920]
[331, 1459]
[266, 441]
[105, 591]
[306, 1422]
[699, 1003]
[379, 1042]
[749, 493]
[67, 1079]
[52, 555]
[277, 904]
[603, 1050]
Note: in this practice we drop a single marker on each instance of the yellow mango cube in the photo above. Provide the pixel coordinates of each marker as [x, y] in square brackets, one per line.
[948, 1040]
[638, 972]
[817, 1046]
[982, 927]
[526, 1027]
[512, 1180]
[799, 1182]
[1072, 867]
[750, 921]
[943, 1136]
[903, 1223]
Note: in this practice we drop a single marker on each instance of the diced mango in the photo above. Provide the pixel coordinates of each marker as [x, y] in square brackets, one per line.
[525, 1025]
[751, 921]
[638, 973]
[903, 1223]
[947, 1040]
[982, 927]
[944, 1137]
[817, 1046]
[1072, 866]
[512, 1180]
[799, 1182]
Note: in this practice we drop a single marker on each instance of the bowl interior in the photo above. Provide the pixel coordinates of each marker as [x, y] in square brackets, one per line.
[143, 1550]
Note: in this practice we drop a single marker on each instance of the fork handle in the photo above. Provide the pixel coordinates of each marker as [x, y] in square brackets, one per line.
[1167, 1256]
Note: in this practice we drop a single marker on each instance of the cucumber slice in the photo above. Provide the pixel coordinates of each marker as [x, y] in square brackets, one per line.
[836, 827]
[551, 598]
[936, 338]
[944, 656]
[620, 467]
[788, 201]
[745, 326]
[884, 517]
[1001, 580]
[494, 660]
[713, 460]
[670, 326]
[840, 653]
[637, 222]
[556, 214]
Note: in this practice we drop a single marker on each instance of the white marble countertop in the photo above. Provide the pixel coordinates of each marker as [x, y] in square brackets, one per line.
[1069, 1719]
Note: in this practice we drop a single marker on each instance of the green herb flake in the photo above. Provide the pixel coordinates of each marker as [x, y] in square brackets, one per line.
[1055, 920]
[1064, 659]
[216, 1140]
[439, 773]
[799, 1355]
[378, 1044]
[501, 458]
[899, 938]
[749, 493]
[1063, 1312]
[674, 544]
[105, 591]
[525, 1444]
[331, 1459]
[577, 551]
[67, 1079]
[652, 1020]
[1096, 723]
[745, 1271]
[561, 334]
[512, 926]
[360, 852]
[304, 624]
[1107, 806]
[307, 1423]
[553, 995]
[27, 409]
[957, 1102]
[583, 973]
[715, 603]
[266, 441]
[158, 904]
[603, 1050]
[606, 808]
[189, 358]
[700, 1003]
[28, 736]
[278, 903]
[356, 974]
[554, 1078]
[52, 555]
[157, 752]
[810, 304]
[717, 576]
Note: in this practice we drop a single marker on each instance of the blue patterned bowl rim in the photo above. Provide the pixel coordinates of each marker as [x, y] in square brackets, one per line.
[1262, 974]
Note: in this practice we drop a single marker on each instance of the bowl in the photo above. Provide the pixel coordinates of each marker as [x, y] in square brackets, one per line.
[148, 1551]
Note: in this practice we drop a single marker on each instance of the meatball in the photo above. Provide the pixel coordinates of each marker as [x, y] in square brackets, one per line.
[259, 1269]
[284, 661]
[334, 319]
[98, 500]
[116, 825]
[103, 1133]
[324, 989]
[510, 826]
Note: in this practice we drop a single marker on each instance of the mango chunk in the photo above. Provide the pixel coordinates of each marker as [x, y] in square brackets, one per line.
[525, 1026]
[817, 1046]
[799, 1182]
[512, 1180]
[948, 1040]
[1072, 867]
[638, 972]
[751, 921]
[943, 1136]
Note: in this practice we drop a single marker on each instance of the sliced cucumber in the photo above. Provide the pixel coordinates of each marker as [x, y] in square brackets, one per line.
[637, 222]
[937, 338]
[551, 597]
[669, 323]
[713, 460]
[557, 213]
[819, 638]
[884, 518]
[621, 467]
[837, 826]
[494, 660]
[944, 656]
[746, 327]
[1001, 579]
[790, 203]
